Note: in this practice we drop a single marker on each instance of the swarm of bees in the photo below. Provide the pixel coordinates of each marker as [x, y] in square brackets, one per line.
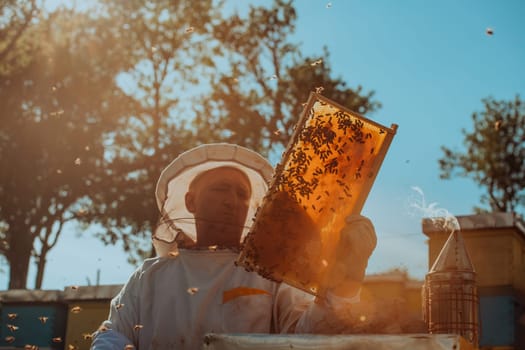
[58, 339]
[321, 177]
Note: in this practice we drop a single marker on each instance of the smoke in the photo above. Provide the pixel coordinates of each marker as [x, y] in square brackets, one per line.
[439, 217]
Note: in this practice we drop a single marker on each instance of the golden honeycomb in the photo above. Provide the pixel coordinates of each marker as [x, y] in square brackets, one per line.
[325, 175]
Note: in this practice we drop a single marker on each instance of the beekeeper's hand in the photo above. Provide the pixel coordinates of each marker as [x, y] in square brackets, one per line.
[356, 243]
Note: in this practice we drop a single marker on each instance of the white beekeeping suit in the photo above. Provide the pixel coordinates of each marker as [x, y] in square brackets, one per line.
[173, 300]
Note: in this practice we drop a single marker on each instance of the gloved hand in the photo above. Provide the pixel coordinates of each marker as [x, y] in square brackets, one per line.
[357, 241]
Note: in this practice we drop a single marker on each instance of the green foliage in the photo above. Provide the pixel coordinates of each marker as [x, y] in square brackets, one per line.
[15, 47]
[167, 47]
[258, 101]
[494, 155]
[55, 111]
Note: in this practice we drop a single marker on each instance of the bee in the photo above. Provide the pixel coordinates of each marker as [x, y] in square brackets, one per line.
[9, 339]
[57, 113]
[193, 290]
[76, 309]
[56, 340]
[12, 316]
[138, 327]
[43, 319]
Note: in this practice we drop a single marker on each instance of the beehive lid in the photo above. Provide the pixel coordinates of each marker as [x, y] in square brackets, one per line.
[30, 296]
[100, 292]
[310, 341]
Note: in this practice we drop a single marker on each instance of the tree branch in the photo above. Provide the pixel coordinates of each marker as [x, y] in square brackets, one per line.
[18, 34]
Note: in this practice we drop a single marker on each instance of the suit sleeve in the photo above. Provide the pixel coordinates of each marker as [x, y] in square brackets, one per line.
[117, 331]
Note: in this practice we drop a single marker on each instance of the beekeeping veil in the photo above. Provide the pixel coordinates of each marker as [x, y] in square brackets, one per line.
[176, 221]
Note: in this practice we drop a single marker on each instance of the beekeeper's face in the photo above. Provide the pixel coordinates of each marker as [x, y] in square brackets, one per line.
[219, 200]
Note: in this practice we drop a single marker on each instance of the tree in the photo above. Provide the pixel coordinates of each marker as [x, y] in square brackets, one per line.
[239, 105]
[103, 105]
[14, 21]
[15, 18]
[55, 111]
[259, 100]
[169, 44]
[494, 156]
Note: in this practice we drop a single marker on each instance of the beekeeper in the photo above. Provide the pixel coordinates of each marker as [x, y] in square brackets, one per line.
[207, 197]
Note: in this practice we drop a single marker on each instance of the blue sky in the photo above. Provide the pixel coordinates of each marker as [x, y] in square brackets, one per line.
[430, 64]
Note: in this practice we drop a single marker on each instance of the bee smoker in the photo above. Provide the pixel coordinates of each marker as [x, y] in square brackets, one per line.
[450, 298]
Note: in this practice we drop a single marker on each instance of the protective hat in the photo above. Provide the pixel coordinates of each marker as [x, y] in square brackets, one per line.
[175, 179]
